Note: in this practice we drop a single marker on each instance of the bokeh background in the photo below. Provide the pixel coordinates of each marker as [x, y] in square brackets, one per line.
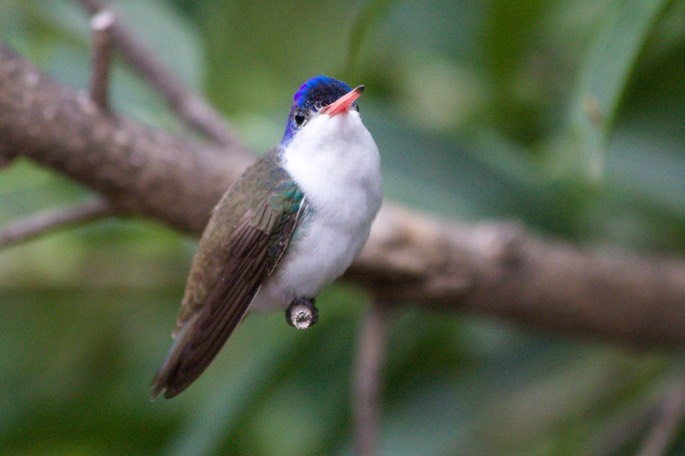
[480, 109]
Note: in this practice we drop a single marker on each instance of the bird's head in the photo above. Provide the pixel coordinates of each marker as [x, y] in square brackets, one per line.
[319, 96]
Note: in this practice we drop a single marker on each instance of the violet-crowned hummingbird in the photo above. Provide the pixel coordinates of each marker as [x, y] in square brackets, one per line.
[292, 224]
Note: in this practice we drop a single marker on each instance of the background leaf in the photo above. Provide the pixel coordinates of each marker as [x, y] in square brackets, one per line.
[604, 75]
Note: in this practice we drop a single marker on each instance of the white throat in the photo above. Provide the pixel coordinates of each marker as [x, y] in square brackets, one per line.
[335, 161]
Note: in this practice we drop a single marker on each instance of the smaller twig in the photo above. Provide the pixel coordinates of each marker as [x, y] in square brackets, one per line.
[101, 25]
[188, 105]
[367, 381]
[49, 221]
[621, 433]
[669, 415]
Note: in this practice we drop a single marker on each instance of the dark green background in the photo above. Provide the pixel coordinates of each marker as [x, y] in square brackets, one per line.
[480, 111]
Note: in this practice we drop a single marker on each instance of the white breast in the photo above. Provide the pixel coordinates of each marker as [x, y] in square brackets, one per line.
[335, 162]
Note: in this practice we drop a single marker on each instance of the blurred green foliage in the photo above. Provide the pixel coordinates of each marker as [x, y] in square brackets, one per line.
[567, 115]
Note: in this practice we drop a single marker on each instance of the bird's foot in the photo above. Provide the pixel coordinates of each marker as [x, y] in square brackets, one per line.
[301, 313]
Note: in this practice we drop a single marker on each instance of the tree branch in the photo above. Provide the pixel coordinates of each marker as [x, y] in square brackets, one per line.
[101, 26]
[498, 270]
[190, 107]
[48, 221]
[501, 270]
[140, 170]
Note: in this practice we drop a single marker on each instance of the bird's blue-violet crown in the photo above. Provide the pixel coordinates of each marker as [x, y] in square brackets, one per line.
[314, 94]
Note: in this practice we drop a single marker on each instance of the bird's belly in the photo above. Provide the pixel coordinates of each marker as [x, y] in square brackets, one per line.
[316, 257]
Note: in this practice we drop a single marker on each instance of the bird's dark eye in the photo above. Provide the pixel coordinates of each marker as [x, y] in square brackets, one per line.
[300, 118]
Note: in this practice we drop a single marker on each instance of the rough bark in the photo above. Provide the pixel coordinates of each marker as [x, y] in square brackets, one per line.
[491, 269]
[140, 170]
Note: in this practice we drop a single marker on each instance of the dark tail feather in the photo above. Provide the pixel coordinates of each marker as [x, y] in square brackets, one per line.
[200, 340]
[164, 378]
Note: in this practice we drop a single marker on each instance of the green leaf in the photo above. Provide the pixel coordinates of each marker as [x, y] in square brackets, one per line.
[603, 79]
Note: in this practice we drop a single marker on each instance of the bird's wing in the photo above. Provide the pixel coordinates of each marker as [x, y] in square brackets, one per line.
[252, 251]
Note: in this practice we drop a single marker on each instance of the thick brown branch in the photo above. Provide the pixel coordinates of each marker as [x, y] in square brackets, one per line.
[501, 270]
[44, 222]
[141, 170]
[496, 270]
[189, 106]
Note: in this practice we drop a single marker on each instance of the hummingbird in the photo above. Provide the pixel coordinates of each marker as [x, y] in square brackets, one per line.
[292, 223]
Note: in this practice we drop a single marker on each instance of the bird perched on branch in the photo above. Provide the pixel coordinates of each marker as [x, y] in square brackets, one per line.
[292, 224]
